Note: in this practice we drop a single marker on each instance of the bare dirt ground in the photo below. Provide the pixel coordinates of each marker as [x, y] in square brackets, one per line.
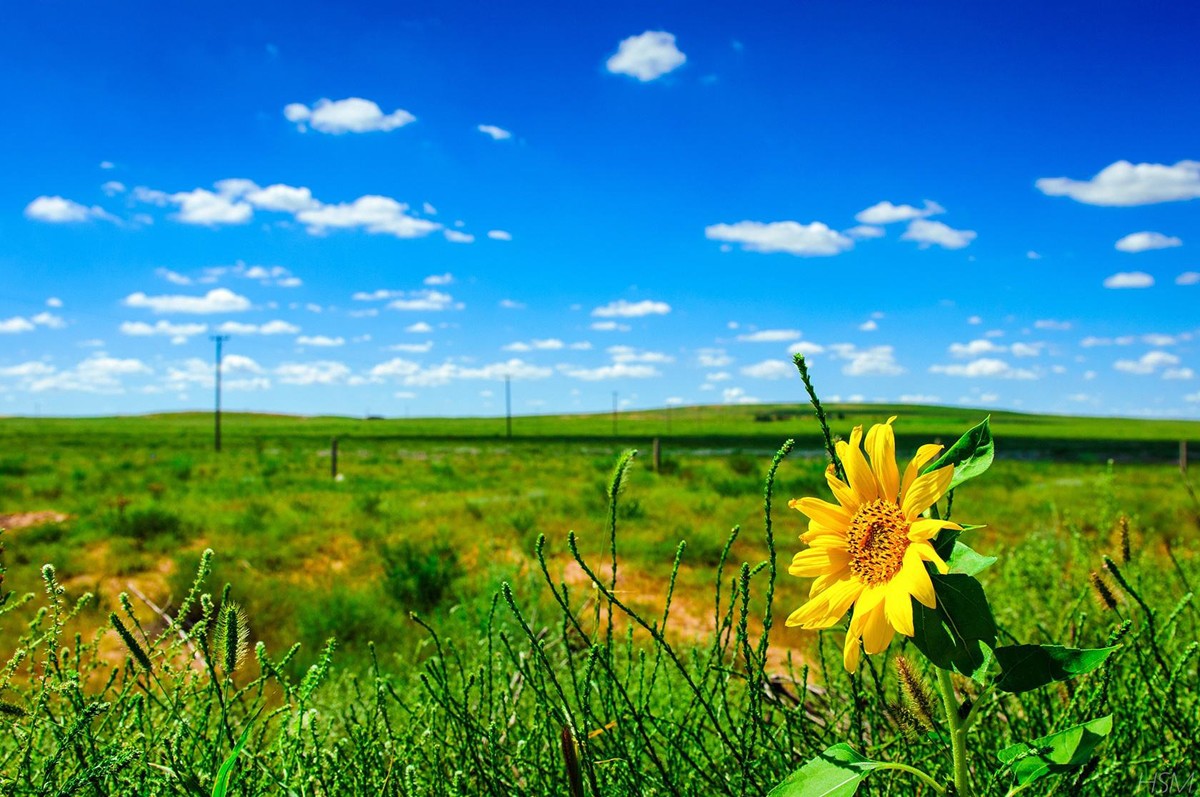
[23, 520]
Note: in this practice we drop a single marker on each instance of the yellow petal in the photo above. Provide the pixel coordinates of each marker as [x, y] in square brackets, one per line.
[877, 632]
[841, 491]
[858, 472]
[871, 597]
[926, 552]
[817, 561]
[825, 540]
[925, 490]
[827, 608]
[926, 529]
[898, 606]
[824, 582]
[925, 454]
[851, 652]
[915, 579]
[831, 516]
[881, 446]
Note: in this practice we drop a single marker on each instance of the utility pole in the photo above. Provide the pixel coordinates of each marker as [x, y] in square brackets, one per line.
[508, 406]
[614, 413]
[218, 339]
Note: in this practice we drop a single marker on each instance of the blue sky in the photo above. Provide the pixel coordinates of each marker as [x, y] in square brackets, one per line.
[390, 210]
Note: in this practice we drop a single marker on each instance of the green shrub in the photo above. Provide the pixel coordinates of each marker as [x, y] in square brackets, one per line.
[419, 576]
[148, 524]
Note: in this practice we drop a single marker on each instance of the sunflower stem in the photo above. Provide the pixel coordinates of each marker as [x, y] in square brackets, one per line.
[958, 734]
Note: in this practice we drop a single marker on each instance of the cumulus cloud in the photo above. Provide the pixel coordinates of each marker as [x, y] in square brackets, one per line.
[929, 233]
[1148, 363]
[413, 374]
[375, 214]
[870, 361]
[770, 369]
[984, 367]
[1145, 241]
[420, 327]
[423, 300]
[794, 238]
[770, 336]
[320, 340]
[351, 115]
[887, 213]
[178, 333]
[609, 326]
[496, 133]
[619, 370]
[737, 395]
[282, 198]
[457, 237]
[647, 56]
[218, 300]
[276, 327]
[58, 210]
[99, 373]
[320, 372]
[1129, 279]
[1052, 324]
[626, 309]
[15, 325]
[975, 348]
[713, 358]
[439, 279]
[412, 348]
[628, 354]
[1188, 278]
[499, 235]
[865, 231]
[1125, 184]
[512, 304]
[806, 347]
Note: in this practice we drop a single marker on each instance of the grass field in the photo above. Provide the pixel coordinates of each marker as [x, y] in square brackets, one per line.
[435, 516]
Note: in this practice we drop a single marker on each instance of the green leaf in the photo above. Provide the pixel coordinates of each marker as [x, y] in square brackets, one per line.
[225, 773]
[1027, 667]
[943, 543]
[967, 561]
[1057, 752]
[970, 456]
[834, 773]
[950, 635]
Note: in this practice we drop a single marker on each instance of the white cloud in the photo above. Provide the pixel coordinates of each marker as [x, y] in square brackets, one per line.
[866, 231]
[379, 215]
[718, 376]
[419, 327]
[1124, 184]
[1052, 324]
[985, 367]
[112, 188]
[54, 301]
[1179, 373]
[887, 213]
[99, 373]
[736, 395]
[424, 300]
[499, 235]
[806, 347]
[203, 207]
[413, 348]
[928, 233]
[282, 198]
[1129, 279]
[974, 348]
[27, 369]
[1145, 241]
[496, 133]
[870, 325]
[770, 369]
[625, 309]
[512, 304]
[1148, 363]
[805, 240]
[1032, 255]
[179, 333]
[918, 398]
[58, 210]
[871, 361]
[173, 277]
[628, 354]
[620, 370]
[276, 327]
[713, 358]
[609, 326]
[770, 336]
[440, 279]
[320, 340]
[1026, 349]
[15, 325]
[320, 372]
[1188, 278]
[456, 237]
[218, 300]
[647, 56]
[351, 115]
[414, 375]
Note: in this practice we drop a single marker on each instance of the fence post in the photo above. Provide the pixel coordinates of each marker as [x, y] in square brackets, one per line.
[333, 459]
[657, 449]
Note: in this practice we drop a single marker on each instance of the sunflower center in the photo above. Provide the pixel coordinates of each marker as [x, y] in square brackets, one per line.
[878, 538]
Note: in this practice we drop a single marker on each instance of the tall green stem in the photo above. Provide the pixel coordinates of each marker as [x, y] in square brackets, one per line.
[958, 734]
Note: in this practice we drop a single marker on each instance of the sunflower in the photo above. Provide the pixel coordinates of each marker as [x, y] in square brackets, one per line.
[870, 548]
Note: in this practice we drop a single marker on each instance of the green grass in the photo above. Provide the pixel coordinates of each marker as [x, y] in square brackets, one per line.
[439, 525]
